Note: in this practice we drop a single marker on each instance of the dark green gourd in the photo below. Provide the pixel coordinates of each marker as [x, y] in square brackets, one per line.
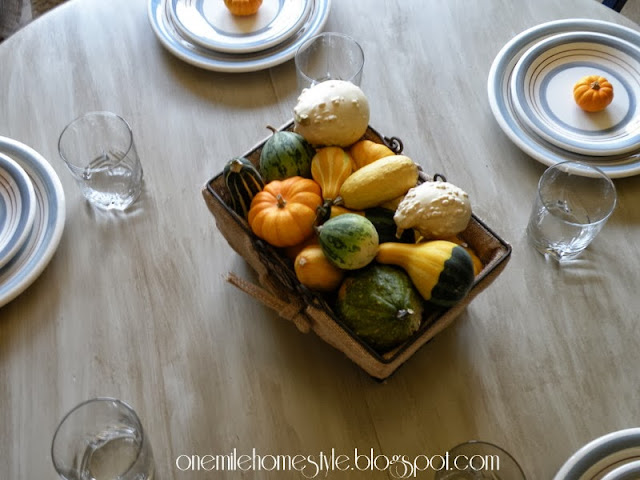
[243, 180]
[380, 305]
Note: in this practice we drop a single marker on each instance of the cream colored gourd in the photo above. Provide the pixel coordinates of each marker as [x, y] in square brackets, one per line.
[434, 209]
[378, 182]
[331, 113]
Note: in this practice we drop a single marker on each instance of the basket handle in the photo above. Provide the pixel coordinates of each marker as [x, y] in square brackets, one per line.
[289, 310]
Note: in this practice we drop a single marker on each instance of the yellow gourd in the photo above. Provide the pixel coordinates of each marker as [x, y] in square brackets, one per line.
[593, 93]
[330, 167]
[441, 271]
[314, 271]
[378, 182]
[243, 7]
[365, 152]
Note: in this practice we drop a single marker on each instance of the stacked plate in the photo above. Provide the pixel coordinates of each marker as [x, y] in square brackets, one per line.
[205, 34]
[614, 456]
[32, 212]
[531, 94]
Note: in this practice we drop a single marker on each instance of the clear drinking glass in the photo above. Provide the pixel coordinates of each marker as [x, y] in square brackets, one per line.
[102, 439]
[476, 460]
[99, 151]
[329, 56]
[572, 204]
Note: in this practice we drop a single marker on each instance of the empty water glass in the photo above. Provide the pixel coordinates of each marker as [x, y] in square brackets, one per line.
[99, 151]
[572, 204]
[102, 439]
[329, 56]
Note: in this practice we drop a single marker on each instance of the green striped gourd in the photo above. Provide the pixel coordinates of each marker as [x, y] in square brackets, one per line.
[285, 154]
[349, 241]
[243, 180]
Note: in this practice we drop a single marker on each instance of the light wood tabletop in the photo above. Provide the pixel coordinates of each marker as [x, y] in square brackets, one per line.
[137, 306]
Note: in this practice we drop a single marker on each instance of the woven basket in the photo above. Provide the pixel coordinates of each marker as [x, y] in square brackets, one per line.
[309, 311]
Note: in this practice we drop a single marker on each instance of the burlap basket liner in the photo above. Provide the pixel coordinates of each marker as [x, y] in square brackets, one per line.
[280, 290]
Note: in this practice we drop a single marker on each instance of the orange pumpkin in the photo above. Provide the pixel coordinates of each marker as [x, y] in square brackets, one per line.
[243, 7]
[330, 167]
[593, 93]
[284, 212]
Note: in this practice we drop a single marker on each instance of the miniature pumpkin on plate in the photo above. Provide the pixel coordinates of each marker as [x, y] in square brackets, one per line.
[593, 93]
[284, 212]
[243, 7]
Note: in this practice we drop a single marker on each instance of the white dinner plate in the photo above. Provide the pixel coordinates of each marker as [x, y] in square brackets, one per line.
[542, 90]
[210, 24]
[17, 207]
[29, 262]
[501, 101]
[610, 457]
[199, 56]
[628, 471]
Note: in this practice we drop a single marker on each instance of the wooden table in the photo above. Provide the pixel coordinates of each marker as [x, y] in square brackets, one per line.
[136, 306]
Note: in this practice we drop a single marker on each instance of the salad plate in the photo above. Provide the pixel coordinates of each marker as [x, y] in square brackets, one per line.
[35, 254]
[194, 54]
[17, 207]
[210, 24]
[502, 105]
[542, 90]
[614, 456]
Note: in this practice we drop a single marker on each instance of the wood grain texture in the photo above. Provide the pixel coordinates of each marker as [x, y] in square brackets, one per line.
[136, 306]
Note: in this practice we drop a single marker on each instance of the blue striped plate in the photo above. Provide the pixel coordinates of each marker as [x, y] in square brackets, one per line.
[503, 109]
[34, 255]
[542, 90]
[210, 24]
[614, 456]
[17, 208]
[190, 52]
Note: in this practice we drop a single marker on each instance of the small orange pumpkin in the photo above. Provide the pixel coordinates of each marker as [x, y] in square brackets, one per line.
[243, 7]
[284, 212]
[330, 167]
[593, 93]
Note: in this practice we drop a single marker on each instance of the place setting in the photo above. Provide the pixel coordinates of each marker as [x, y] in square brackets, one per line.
[32, 216]
[236, 36]
[568, 90]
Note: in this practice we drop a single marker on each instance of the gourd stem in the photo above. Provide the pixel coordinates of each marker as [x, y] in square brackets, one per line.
[403, 313]
[273, 129]
[281, 201]
[595, 85]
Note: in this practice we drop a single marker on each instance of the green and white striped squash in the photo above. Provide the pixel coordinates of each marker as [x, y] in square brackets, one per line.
[285, 154]
[349, 241]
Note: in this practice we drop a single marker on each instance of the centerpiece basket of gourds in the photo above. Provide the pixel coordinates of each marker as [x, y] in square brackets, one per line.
[349, 238]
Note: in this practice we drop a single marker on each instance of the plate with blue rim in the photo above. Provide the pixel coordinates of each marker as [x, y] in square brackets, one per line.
[17, 208]
[210, 24]
[542, 91]
[170, 37]
[38, 249]
[520, 133]
[613, 456]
